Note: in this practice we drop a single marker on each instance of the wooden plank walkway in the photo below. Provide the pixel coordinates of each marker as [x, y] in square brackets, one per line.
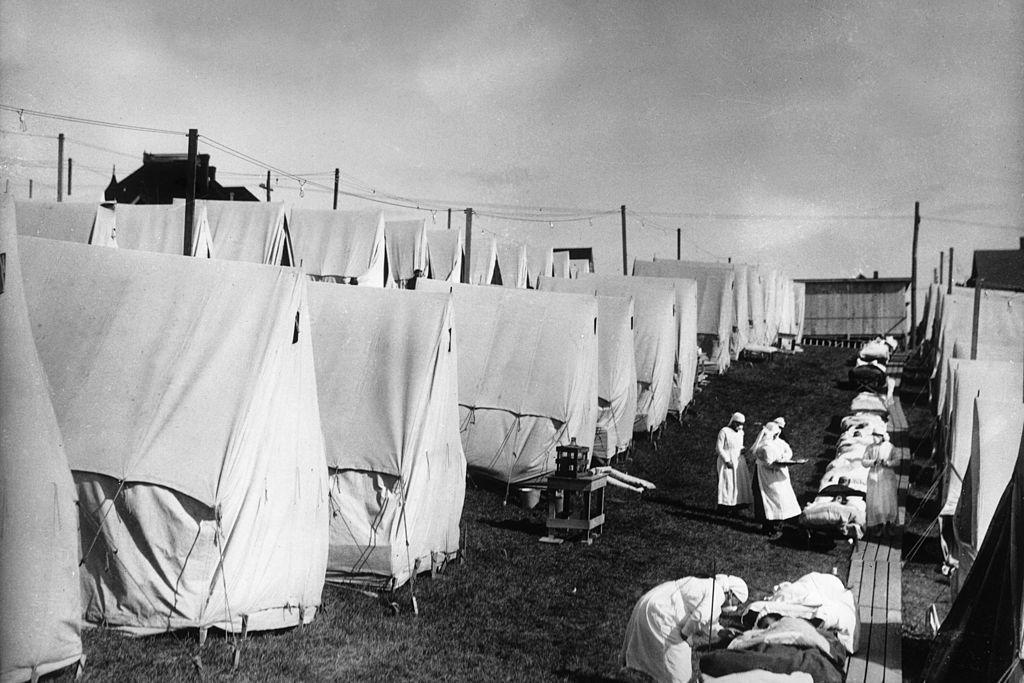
[876, 581]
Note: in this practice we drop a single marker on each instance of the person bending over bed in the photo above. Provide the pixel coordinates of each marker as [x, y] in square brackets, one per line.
[667, 617]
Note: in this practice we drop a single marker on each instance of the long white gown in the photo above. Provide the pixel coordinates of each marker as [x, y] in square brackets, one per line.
[776, 489]
[734, 485]
[661, 622]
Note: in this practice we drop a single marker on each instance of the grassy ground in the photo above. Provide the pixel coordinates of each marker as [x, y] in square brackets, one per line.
[516, 609]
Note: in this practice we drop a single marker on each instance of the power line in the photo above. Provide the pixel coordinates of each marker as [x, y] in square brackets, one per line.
[22, 111]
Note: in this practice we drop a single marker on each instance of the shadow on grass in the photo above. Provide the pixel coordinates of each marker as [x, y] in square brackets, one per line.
[522, 526]
[698, 514]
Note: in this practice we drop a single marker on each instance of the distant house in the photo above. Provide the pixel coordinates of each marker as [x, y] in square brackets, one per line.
[855, 308]
[999, 268]
[162, 178]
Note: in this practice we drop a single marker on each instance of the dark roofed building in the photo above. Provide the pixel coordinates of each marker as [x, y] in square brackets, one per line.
[999, 268]
[162, 178]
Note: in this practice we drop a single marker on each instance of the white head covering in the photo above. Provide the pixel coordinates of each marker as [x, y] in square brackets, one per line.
[738, 418]
[781, 421]
[734, 585]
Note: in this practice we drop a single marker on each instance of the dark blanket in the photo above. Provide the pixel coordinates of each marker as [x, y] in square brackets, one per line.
[782, 659]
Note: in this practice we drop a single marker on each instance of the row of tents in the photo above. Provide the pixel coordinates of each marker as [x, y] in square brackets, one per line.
[977, 389]
[234, 433]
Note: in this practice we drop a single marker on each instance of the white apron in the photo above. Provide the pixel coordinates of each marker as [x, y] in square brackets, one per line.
[734, 486]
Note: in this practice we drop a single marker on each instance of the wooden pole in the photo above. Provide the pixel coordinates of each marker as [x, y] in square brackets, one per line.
[949, 287]
[625, 264]
[942, 267]
[935, 276]
[679, 244]
[70, 166]
[190, 189]
[60, 167]
[449, 218]
[913, 277]
[268, 185]
[469, 246]
[337, 175]
[978, 284]
[30, 188]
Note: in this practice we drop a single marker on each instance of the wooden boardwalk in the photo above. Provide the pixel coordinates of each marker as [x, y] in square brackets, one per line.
[876, 581]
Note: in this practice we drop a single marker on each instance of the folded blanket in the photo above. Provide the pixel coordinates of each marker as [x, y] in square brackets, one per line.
[782, 659]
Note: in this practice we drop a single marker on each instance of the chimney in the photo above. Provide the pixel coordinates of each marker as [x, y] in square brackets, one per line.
[876, 274]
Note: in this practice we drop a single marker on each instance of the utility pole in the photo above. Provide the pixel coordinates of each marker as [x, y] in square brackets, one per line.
[625, 264]
[60, 167]
[70, 165]
[949, 287]
[268, 185]
[679, 244]
[30, 188]
[469, 246]
[942, 264]
[913, 277]
[190, 189]
[337, 175]
[449, 218]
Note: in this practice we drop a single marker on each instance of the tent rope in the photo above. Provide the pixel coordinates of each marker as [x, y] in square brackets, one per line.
[920, 542]
[99, 527]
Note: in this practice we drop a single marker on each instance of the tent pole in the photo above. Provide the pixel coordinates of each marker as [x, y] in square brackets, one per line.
[70, 164]
[913, 277]
[337, 175]
[625, 264]
[449, 218]
[942, 269]
[190, 189]
[679, 244]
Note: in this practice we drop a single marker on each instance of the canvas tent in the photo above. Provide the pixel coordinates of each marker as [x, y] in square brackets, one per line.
[685, 291]
[799, 306]
[991, 380]
[254, 232]
[483, 263]
[654, 340]
[527, 376]
[405, 242]
[982, 637]
[444, 255]
[185, 393]
[512, 264]
[156, 227]
[66, 221]
[616, 385]
[340, 245]
[39, 593]
[716, 309]
[387, 382]
[540, 262]
[756, 300]
[560, 264]
[998, 426]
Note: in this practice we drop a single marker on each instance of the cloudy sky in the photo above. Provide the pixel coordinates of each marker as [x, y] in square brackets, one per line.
[793, 133]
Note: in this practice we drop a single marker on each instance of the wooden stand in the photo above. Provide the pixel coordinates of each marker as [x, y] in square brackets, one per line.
[575, 505]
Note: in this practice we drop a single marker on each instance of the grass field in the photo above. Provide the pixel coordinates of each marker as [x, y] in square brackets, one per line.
[517, 609]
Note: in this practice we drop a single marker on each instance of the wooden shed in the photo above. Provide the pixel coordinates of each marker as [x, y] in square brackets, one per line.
[855, 308]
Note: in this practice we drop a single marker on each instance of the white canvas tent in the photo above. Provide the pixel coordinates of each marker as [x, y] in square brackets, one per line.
[66, 221]
[339, 244]
[405, 241]
[254, 232]
[185, 392]
[444, 255]
[560, 264]
[1001, 321]
[157, 228]
[540, 262]
[716, 310]
[799, 308]
[685, 291]
[758, 315]
[616, 386]
[387, 381]
[998, 426]
[655, 329]
[39, 591]
[527, 376]
[483, 262]
[512, 264]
